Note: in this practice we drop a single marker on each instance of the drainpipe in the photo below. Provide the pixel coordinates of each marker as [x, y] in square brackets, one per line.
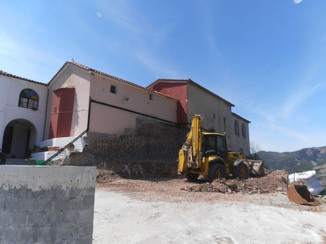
[46, 112]
[89, 113]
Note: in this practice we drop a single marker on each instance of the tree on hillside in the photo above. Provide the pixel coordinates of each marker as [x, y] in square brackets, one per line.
[254, 149]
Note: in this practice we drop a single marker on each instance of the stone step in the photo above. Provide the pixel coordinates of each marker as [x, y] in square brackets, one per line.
[49, 147]
[44, 149]
[63, 141]
[46, 155]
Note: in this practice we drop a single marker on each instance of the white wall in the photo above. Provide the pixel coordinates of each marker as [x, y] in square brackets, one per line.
[9, 110]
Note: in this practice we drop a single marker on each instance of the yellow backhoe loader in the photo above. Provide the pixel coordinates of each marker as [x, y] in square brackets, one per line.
[206, 154]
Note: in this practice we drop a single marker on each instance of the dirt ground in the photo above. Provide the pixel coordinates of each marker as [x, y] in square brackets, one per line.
[262, 190]
[173, 210]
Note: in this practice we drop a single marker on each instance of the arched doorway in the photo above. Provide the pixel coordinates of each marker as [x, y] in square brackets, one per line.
[18, 138]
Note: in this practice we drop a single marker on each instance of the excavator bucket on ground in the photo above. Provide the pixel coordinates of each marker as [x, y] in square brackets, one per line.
[256, 167]
[299, 194]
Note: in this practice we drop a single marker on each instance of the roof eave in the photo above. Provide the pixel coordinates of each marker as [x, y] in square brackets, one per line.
[102, 74]
[241, 118]
[20, 78]
[210, 92]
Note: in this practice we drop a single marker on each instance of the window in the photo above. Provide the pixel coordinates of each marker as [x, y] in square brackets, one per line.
[28, 99]
[220, 144]
[151, 97]
[113, 89]
[243, 131]
[224, 124]
[214, 145]
[214, 116]
[209, 145]
[236, 128]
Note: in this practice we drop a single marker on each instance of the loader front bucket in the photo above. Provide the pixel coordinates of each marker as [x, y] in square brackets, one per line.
[299, 194]
[256, 167]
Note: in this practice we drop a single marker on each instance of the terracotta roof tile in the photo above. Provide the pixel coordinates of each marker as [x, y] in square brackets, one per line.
[107, 75]
[195, 84]
[110, 76]
[21, 78]
[236, 115]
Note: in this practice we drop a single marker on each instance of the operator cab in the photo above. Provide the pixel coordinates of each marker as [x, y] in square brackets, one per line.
[214, 144]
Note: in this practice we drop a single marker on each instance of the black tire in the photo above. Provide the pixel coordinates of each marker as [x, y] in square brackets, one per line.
[241, 171]
[216, 170]
[191, 176]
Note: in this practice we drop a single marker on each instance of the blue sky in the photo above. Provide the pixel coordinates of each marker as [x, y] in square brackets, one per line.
[266, 57]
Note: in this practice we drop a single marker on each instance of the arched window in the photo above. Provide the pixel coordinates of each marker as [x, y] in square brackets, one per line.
[236, 128]
[28, 99]
[243, 131]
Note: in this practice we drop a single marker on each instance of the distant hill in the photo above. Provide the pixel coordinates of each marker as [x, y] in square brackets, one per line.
[298, 161]
[304, 159]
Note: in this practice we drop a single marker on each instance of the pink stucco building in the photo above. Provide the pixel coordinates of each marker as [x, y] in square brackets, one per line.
[79, 98]
[82, 98]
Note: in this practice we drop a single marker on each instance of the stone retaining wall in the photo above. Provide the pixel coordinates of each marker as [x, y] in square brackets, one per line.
[46, 204]
[148, 151]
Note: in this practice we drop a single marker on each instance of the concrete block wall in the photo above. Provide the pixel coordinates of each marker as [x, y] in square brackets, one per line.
[46, 204]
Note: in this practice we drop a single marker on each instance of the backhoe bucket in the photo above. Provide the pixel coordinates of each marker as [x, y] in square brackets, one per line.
[256, 167]
[299, 194]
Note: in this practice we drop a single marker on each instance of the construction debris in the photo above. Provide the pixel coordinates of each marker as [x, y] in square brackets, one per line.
[106, 176]
[274, 182]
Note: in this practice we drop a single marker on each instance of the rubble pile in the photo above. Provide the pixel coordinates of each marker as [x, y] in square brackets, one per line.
[105, 176]
[273, 182]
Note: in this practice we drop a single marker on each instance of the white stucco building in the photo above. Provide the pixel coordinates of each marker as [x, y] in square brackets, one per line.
[22, 114]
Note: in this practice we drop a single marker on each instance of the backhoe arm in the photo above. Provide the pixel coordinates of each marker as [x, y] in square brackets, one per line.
[189, 154]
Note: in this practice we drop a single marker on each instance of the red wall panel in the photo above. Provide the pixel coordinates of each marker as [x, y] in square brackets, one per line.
[61, 112]
[178, 91]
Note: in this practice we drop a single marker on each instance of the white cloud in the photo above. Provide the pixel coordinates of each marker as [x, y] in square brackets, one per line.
[145, 38]
[130, 19]
[99, 14]
[156, 66]
[121, 13]
[297, 1]
[298, 98]
[33, 63]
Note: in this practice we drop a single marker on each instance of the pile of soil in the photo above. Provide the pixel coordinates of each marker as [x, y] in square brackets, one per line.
[273, 182]
[106, 176]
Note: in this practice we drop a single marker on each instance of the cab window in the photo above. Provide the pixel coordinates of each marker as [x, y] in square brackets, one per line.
[220, 144]
[209, 145]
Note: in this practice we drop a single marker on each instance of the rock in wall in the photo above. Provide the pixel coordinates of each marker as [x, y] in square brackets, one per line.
[150, 150]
